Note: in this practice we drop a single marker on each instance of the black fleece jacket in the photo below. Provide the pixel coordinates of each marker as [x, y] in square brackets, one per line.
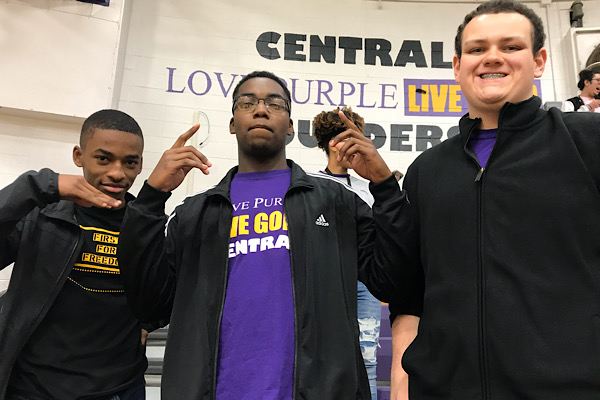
[510, 256]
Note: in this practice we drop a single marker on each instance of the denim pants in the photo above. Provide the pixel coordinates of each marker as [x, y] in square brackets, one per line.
[369, 318]
[137, 391]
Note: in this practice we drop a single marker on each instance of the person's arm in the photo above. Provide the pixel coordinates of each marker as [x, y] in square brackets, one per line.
[148, 250]
[387, 241]
[38, 189]
[594, 104]
[404, 331]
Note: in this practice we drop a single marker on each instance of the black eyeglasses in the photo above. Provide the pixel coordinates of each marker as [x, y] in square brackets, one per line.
[248, 103]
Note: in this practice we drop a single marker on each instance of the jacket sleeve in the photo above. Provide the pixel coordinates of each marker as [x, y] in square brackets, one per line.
[388, 249]
[146, 255]
[30, 190]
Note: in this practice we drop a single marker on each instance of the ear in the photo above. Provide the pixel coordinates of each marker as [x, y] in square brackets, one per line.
[231, 127]
[291, 128]
[540, 62]
[456, 67]
[333, 151]
[77, 154]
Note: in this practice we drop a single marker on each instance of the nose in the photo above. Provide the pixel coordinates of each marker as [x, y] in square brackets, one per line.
[116, 173]
[261, 109]
[493, 56]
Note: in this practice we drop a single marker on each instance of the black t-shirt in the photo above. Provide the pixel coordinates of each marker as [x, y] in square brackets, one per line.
[88, 345]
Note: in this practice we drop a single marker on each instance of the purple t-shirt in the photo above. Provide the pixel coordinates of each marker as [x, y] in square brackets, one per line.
[256, 346]
[482, 142]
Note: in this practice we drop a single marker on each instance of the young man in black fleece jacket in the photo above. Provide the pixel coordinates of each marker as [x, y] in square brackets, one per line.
[258, 274]
[506, 221]
[66, 329]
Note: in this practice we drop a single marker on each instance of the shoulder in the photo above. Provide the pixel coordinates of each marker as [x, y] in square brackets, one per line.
[328, 183]
[586, 121]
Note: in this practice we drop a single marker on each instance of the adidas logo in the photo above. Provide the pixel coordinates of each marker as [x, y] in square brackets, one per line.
[321, 221]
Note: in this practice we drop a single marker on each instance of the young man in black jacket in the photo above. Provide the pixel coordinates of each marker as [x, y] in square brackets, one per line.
[66, 329]
[506, 220]
[258, 274]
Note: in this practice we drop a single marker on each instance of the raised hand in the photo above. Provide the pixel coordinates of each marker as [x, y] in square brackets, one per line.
[360, 152]
[76, 189]
[176, 162]
[594, 104]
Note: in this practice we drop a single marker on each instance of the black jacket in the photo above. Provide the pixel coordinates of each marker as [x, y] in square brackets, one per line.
[511, 261]
[38, 232]
[184, 275]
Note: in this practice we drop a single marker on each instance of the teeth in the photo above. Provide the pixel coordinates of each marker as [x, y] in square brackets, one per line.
[493, 76]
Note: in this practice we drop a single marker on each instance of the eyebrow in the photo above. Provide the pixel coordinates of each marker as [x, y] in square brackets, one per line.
[269, 95]
[108, 153]
[503, 40]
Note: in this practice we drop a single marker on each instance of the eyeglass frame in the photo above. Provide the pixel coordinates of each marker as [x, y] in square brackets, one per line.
[276, 96]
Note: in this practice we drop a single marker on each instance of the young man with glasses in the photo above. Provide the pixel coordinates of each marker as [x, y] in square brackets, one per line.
[589, 84]
[258, 274]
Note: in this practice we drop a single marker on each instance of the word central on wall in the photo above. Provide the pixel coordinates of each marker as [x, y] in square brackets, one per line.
[325, 49]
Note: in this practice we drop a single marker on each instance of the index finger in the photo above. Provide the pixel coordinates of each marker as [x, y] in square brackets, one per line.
[184, 137]
[349, 124]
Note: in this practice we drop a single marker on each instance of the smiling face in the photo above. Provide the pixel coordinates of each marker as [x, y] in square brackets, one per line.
[592, 87]
[111, 160]
[497, 64]
[261, 133]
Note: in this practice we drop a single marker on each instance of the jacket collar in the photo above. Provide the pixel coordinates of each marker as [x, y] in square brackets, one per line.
[299, 179]
[511, 115]
[65, 209]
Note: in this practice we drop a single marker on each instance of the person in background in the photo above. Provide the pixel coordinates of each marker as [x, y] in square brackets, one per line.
[326, 125]
[66, 328]
[589, 84]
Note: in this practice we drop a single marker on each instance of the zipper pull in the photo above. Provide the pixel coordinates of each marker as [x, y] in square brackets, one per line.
[478, 177]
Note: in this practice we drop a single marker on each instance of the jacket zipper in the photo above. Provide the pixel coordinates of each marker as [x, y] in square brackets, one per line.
[296, 333]
[481, 293]
[219, 320]
[485, 392]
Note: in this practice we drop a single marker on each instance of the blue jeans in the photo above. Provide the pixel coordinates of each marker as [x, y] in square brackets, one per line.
[369, 318]
[137, 391]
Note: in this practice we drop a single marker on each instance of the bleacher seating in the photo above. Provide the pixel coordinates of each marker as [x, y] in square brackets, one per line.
[155, 351]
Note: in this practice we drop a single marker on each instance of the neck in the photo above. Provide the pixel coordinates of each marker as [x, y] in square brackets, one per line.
[334, 166]
[488, 120]
[250, 165]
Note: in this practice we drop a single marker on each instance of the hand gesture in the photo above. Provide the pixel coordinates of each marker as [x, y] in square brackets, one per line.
[594, 104]
[76, 189]
[360, 152]
[176, 162]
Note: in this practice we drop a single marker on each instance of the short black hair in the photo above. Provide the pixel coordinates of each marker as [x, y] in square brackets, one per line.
[538, 37]
[328, 124]
[109, 119]
[264, 74]
[585, 75]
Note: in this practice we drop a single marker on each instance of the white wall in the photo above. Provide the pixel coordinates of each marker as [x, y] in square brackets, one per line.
[59, 55]
[63, 60]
